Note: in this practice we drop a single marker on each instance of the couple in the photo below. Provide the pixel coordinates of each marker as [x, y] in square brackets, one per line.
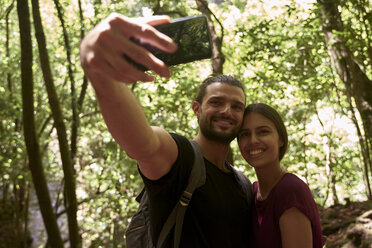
[284, 213]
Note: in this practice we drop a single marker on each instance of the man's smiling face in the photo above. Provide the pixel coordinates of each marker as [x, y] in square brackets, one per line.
[221, 112]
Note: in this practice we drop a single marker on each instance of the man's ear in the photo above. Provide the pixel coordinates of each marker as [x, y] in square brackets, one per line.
[196, 108]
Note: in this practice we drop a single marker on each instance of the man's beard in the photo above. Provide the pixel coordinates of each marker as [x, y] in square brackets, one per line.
[210, 133]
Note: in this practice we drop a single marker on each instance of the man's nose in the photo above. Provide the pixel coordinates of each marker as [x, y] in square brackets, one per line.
[227, 110]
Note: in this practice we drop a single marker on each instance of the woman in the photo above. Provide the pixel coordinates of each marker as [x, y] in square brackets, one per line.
[284, 214]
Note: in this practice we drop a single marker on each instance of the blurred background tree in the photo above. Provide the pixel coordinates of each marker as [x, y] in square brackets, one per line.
[311, 60]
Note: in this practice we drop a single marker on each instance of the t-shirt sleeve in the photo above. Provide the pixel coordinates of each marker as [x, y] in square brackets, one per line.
[180, 170]
[293, 192]
[165, 192]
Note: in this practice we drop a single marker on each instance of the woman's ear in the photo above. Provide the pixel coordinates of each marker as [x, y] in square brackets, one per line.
[196, 108]
[281, 143]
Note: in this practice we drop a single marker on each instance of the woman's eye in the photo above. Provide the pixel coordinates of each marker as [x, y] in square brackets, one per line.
[243, 134]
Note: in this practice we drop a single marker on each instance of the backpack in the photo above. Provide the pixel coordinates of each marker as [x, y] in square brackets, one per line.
[138, 234]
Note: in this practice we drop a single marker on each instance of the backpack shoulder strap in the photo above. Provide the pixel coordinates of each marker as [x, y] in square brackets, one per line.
[140, 195]
[196, 179]
[197, 175]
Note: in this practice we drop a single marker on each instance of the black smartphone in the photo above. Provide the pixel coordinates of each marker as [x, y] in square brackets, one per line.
[192, 37]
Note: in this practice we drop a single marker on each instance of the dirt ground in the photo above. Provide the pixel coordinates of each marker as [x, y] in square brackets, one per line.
[348, 226]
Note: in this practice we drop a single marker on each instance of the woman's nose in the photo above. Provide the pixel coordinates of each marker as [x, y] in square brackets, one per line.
[253, 138]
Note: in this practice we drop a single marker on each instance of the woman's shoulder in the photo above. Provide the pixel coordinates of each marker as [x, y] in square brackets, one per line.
[292, 183]
[291, 178]
[291, 191]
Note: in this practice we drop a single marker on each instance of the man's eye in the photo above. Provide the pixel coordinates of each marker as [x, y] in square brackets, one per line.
[238, 107]
[264, 131]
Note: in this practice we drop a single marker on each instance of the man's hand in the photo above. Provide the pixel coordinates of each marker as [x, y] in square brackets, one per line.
[101, 51]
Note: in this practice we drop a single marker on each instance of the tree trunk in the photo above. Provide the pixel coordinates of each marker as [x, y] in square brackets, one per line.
[25, 230]
[331, 176]
[306, 170]
[85, 79]
[20, 203]
[7, 50]
[32, 144]
[218, 59]
[364, 148]
[70, 194]
[75, 119]
[10, 88]
[357, 83]
[364, 151]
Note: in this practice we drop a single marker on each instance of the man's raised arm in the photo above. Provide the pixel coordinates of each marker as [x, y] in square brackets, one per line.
[101, 55]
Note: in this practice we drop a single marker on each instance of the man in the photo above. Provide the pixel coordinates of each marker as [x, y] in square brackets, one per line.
[218, 214]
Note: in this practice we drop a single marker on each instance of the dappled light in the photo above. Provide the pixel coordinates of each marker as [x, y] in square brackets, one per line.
[284, 52]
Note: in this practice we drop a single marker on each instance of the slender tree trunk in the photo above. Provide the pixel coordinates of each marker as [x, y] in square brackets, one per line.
[20, 203]
[331, 173]
[75, 119]
[331, 176]
[5, 191]
[364, 150]
[32, 144]
[368, 145]
[218, 59]
[85, 79]
[25, 230]
[10, 87]
[335, 199]
[304, 147]
[7, 49]
[326, 195]
[20, 186]
[70, 194]
[17, 206]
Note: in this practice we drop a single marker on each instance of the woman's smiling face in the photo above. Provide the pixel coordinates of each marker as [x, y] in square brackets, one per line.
[259, 141]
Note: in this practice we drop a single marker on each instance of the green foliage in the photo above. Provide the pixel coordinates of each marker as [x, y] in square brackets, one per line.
[279, 53]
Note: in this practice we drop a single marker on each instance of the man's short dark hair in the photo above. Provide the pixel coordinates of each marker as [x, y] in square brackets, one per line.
[226, 79]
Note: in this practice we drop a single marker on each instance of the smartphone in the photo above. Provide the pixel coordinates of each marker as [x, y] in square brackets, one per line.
[192, 36]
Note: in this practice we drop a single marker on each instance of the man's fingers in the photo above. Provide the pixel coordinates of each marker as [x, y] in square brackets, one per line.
[118, 69]
[103, 49]
[158, 39]
[153, 20]
[119, 46]
[145, 31]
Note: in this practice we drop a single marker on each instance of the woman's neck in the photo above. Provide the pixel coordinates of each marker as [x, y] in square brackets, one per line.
[267, 179]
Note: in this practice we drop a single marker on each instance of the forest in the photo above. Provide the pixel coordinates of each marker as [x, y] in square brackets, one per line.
[64, 181]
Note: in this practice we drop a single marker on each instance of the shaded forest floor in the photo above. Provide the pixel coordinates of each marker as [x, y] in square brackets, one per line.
[348, 226]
